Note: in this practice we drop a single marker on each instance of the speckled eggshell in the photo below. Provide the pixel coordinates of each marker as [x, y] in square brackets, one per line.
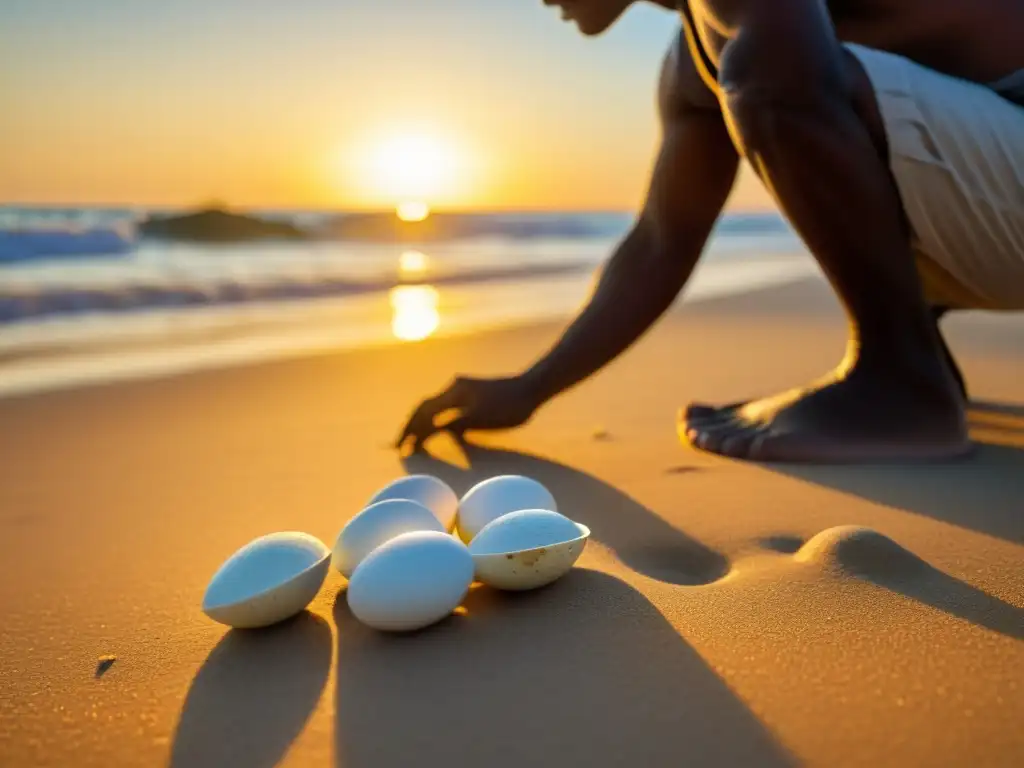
[527, 549]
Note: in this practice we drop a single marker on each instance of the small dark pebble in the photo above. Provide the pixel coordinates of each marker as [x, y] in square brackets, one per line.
[681, 470]
[105, 663]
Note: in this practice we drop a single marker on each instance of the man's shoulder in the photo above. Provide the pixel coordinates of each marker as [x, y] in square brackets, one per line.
[683, 86]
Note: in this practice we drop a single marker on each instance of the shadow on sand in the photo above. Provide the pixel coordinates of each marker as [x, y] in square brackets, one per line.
[984, 492]
[950, 595]
[583, 672]
[638, 536]
[253, 695]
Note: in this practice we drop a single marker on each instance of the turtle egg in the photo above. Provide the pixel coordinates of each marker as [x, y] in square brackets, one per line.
[432, 493]
[490, 499]
[268, 580]
[376, 525]
[527, 549]
[411, 582]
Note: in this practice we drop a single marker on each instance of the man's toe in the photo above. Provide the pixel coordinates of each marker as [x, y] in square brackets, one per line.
[698, 412]
[738, 444]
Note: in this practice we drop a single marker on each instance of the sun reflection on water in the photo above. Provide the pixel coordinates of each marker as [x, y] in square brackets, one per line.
[413, 263]
[414, 312]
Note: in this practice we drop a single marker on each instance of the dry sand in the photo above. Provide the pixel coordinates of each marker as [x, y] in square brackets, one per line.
[722, 614]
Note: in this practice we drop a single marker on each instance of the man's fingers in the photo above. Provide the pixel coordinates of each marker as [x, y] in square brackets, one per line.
[469, 421]
[403, 437]
[422, 424]
[458, 427]
[406, 430]
[456, 396]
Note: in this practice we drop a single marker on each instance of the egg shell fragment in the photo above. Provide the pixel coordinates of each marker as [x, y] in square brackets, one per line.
[376, 525]
[527, 549]
[432, 493]
[497, 496]
[270, 579]
[411, 582]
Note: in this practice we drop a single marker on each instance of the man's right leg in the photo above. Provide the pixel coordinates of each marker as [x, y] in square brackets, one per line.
[805, 130]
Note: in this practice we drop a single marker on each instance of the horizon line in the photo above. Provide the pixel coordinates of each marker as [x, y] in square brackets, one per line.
[216, 204]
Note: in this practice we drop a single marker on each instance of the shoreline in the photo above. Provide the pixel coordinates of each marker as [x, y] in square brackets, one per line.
[84, 351]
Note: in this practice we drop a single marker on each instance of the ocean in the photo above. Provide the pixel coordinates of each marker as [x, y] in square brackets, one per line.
[85, 299]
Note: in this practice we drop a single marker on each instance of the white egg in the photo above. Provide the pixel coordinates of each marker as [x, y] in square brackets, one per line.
[490, 499]
[432, 493]
[268, 580]
[414, 580]
[376, 525]
[527, 549]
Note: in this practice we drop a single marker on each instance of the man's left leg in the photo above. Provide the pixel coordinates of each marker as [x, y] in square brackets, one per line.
[807, 121]
[938, 313]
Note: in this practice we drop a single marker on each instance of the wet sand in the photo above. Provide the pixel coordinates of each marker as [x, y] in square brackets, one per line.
[723, 613]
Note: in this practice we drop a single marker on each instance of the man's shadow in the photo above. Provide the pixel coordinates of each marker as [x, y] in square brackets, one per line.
[638, 536]
[253, 695]
[583, 672]
[984, 492]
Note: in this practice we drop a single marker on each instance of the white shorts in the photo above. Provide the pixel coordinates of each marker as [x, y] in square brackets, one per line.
[957, 153]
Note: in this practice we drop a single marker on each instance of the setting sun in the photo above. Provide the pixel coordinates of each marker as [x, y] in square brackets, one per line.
[412, 210]
[412, 166]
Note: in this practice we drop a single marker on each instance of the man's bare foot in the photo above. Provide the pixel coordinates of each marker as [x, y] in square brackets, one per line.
[854, 416]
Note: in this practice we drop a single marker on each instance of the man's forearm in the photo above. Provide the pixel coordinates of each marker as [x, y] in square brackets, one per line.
[692, 177]
[638, 284]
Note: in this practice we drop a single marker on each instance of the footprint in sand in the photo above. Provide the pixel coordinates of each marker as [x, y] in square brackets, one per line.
[782, 543]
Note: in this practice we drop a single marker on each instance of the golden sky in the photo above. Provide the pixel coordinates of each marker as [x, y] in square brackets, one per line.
[462, 103]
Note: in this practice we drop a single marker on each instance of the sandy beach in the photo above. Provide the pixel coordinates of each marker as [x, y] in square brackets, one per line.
[722, 614]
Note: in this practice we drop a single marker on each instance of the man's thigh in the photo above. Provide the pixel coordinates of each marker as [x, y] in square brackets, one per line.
[956, 150]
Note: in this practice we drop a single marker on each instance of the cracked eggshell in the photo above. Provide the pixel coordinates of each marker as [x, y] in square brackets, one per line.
[268, 580]
[432, 493]
[376, 525]
[411, 582]
[527, 549]
[488, 500]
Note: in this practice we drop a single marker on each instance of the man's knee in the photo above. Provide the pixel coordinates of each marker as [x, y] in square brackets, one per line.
[765, 82]
[759, 109]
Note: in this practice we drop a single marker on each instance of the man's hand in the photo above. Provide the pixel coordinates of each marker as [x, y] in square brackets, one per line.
[479, 404]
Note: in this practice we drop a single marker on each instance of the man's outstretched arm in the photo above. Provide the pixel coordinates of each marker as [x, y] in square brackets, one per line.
[692, 177]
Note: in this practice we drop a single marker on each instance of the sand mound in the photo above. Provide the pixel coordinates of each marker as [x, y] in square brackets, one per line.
[861, 551]
[873, 557]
